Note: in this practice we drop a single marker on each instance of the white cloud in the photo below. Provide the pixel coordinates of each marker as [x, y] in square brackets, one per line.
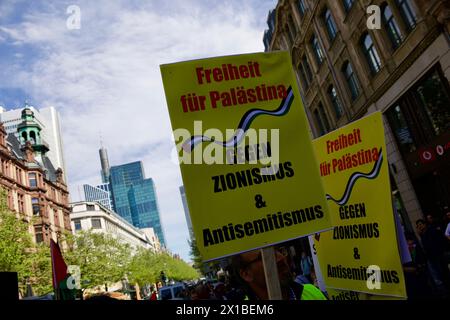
[105, 78]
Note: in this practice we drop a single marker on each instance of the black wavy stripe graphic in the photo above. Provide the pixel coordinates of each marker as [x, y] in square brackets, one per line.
[373, 174]
[245, 122]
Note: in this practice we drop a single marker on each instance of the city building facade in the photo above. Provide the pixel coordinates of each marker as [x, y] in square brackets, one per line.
[36, 189]
[134, 197]
[347, 70]
[88, 215]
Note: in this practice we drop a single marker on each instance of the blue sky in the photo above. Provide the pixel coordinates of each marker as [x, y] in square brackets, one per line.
[104, 78]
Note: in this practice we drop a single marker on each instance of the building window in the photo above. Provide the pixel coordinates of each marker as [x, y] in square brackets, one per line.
[422, 114]
[309, 75]
[21, 203]
[319, 123]
[292, 28]
[351, 79]
[39, 236]
[90, 207]
[401, 129]
[317, 50]
[373, 59]
[35, 206]
[56, 217]
[392, 27]
[19, 175]
[323, 115]
[348, 4]
[338, 110]
[432, 95]
[303, 78]
[331, 26]
[96, 223]
[301, 8]
[32, 179]
[305, 72]
[10, 199]
[407, 13]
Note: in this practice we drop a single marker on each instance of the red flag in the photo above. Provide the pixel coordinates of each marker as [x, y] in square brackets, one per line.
[59, 267]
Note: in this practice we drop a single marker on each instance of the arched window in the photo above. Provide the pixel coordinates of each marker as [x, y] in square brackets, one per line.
[348, 4]
[324, 116]
[33, 137]
[329, 23]
[319, 123]
[338, 110]
[351, 79]
[408, 14]
[373, 59]
[321, 120]
[301, 8]
[24, 136]
[391, 26]
[304, 81]
[307, 68]
[317, 50]
[292, 28]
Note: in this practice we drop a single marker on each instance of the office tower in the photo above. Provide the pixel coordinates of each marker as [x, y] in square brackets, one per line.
[98, 194]
[105, 164]
[134, 197]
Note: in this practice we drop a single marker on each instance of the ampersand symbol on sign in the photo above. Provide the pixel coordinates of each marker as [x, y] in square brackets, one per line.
[259, 201]
[356, 254]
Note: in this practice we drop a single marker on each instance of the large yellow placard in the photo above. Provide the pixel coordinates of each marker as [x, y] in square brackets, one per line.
[361, 252]
[344, 295]
[246, 157]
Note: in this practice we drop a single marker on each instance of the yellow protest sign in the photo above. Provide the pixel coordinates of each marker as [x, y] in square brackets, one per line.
[361, 252]
[345, 295]
[246, 158]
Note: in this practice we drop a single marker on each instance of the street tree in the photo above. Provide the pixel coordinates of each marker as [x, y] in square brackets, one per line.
[19, 253]
[102, 259]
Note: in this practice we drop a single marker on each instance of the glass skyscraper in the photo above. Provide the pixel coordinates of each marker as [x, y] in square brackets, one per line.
[134, 197]
[98, 194]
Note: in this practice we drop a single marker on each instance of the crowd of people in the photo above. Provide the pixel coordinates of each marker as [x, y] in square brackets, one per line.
[427, 275]
[245, 280]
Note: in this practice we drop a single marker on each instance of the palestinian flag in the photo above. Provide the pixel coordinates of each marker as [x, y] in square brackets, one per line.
[60, 274]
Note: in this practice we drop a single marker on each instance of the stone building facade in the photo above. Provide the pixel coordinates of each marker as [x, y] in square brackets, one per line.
[36, 191]
[347, 70]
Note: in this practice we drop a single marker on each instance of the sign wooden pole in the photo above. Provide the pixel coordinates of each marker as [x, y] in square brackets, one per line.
[271, 273]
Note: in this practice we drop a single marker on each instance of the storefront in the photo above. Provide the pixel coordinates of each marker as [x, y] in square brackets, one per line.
[420, 121]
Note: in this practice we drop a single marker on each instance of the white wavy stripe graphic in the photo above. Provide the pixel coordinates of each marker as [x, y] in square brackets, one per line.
[239, 134]
[371, 175]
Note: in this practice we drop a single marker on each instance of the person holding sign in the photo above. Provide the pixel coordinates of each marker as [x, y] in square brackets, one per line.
[248, 267]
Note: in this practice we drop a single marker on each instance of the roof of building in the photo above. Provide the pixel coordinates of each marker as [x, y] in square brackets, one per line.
[117, 216]
[46, 165]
